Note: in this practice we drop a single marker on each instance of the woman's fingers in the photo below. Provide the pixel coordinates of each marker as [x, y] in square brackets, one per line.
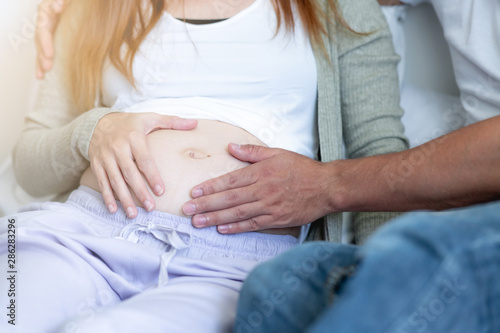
[121, 189]
[157, 122]
[133, 178]
[105, 187]
[147, 166]
[118, 176]
[112, 183]
[142, 156]
[184, 124]
[119, 145]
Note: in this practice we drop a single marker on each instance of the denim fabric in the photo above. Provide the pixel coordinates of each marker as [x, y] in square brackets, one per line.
[288, 293]
[427, 272]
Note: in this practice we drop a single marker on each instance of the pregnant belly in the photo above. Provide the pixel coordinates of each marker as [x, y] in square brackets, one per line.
[187, 158]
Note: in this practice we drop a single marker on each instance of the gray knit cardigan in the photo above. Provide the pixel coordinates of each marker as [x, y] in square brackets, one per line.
[358, 103]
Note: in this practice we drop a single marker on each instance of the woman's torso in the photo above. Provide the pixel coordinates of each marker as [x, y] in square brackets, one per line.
[237, 71]
[187, 158]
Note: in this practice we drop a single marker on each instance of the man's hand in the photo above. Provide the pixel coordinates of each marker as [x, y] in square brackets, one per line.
[280, 189]
[49, 12]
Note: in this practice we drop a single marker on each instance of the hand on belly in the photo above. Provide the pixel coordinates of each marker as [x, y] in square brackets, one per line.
[186, 159]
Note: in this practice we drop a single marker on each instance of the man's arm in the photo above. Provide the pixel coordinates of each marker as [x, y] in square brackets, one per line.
[49, 13]
[458, 169]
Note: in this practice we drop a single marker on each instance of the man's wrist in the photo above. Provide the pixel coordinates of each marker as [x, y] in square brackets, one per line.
[335, 191]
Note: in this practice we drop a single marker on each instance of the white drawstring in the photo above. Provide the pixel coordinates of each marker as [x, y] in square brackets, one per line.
[167, 235]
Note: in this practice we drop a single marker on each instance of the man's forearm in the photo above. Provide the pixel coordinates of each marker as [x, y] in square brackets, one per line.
[458, 169]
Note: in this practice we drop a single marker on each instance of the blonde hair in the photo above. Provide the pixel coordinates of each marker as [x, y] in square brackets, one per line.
[98, 30]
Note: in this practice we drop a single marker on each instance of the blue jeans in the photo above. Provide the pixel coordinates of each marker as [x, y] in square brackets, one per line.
[425, 272]
[292, 282]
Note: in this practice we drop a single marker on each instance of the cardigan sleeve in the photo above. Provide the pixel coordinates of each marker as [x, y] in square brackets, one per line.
[369, 90]
[52, 152]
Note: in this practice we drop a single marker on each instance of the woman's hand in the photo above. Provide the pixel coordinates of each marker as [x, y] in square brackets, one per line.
[280, 189]
[119, 153]
[49, 13]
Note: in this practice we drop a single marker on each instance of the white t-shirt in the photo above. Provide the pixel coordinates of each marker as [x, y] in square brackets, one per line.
[237, 71]
[472, 29]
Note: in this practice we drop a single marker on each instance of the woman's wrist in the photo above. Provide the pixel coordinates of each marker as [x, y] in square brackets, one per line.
[84, 131]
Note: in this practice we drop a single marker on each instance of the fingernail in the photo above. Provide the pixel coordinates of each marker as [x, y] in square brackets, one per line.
[148, 205]
[158, 190]
[197, 192]
[130, 212]
[58, 5]
[111, 208]
[235, 146]
[199, 221]
[189, 209]
[223, 228]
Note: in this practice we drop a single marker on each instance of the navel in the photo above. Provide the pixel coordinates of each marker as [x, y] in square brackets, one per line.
[196, 154]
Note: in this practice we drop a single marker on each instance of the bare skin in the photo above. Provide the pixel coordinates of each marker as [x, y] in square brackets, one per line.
[458, 169]
[183, 160]
[133, 156]
[202, 9]
[49, 12]
[455, 170]
[279, 189]
[120, 157]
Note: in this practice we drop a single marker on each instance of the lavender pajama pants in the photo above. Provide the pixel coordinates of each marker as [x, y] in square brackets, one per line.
[80, 269]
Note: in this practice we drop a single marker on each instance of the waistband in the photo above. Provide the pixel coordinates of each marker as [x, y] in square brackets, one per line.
[251, 245]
